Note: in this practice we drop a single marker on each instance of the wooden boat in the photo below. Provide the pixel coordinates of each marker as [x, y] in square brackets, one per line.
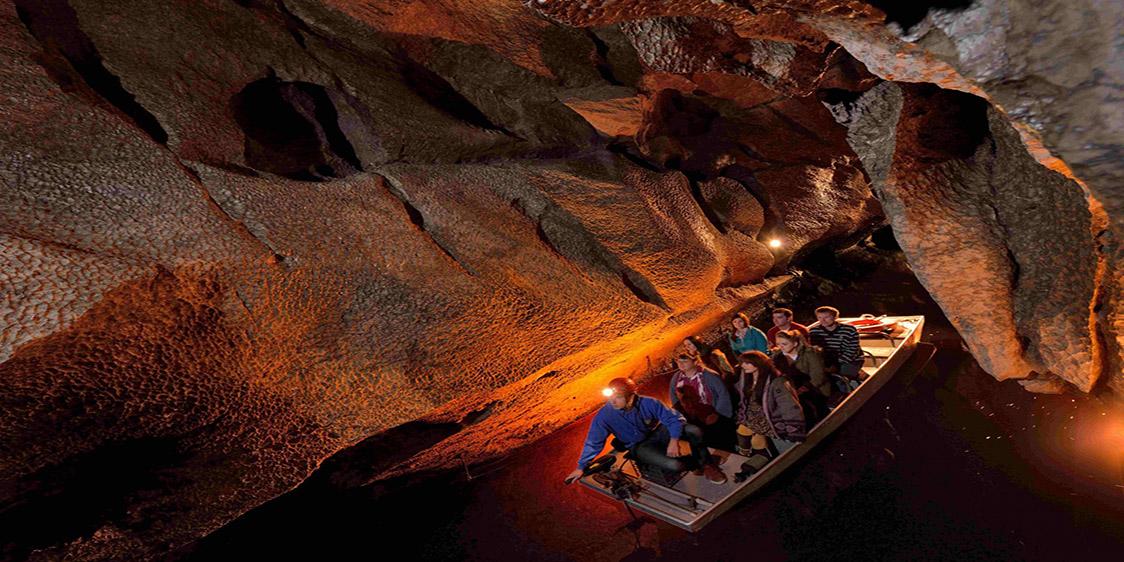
[693, 501]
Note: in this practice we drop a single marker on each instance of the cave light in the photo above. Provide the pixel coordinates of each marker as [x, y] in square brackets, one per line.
[775, 243]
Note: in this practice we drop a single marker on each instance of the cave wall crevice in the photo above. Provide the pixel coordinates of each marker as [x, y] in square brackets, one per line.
[71, 59]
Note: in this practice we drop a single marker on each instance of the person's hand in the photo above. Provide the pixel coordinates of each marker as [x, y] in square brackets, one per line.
[711, 419]
[673, 448]
[577, 473]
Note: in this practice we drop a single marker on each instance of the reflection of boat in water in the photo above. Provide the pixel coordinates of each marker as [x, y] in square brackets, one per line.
[692, 501]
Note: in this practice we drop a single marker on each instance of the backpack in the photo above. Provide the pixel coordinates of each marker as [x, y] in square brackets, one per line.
[812, 401]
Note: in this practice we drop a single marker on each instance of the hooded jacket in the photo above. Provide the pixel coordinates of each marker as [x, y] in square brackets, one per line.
[783, 410]
[809, 361]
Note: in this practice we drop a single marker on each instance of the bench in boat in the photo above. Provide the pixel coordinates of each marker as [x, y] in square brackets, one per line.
[693, 501]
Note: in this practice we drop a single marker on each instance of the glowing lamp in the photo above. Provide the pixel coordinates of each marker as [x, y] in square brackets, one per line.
[607, 392]
[775, 243]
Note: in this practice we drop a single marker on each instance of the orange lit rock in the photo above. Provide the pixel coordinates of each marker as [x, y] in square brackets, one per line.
[733, 205]
[153, 373]
[614, 117]
[773, 18]
[683, 45]
[742, 90]
[1051, 66]
[90, 202]
[505, 28]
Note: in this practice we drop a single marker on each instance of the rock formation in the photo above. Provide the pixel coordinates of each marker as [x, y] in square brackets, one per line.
[239, 236]
[1002, 242]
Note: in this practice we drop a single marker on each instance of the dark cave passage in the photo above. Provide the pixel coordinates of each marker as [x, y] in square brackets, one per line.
[75, 498]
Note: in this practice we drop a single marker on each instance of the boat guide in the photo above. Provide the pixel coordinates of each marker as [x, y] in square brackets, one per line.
[690, 501]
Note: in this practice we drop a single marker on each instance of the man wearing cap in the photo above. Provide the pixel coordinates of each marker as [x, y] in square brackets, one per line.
[647, 428]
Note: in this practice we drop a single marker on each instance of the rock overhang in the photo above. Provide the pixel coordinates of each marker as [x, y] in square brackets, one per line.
[525, 207]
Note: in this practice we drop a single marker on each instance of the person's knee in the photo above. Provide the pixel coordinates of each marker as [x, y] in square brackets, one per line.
[676, 464]
[692, 432]
[663, 462]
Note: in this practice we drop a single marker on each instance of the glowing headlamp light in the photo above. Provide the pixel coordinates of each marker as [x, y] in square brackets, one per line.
[607, 392]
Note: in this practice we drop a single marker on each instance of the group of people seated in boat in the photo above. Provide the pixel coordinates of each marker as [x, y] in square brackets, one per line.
[783, 383]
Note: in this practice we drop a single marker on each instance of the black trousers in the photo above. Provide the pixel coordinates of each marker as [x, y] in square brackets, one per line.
[653, 449]
[721, 434]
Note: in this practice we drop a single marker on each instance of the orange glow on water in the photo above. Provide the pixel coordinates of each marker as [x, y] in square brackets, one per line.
[1106, 435]
[1084, 440]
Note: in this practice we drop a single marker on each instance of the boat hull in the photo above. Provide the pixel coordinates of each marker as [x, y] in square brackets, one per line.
[693, 502]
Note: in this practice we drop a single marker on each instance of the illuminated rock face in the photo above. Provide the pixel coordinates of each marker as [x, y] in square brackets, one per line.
[240, 236]
[1052, 69]
[1001, 242]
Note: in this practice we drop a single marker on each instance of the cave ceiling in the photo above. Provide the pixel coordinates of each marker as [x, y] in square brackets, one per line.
[254, 232]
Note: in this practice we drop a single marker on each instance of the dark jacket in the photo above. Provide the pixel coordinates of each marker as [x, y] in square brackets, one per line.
[809, 363]
[782, 409]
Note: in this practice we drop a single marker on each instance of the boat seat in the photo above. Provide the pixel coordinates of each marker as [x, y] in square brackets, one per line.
[876, 355]
[880, 351]
[658, 475]
[874, 359]
[883, 335]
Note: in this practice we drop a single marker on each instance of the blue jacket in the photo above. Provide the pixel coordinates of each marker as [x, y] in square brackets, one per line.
[753, 339]
[630, 426]
[714, 386]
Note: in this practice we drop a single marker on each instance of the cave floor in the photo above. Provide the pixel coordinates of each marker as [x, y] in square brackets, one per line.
[945, 463]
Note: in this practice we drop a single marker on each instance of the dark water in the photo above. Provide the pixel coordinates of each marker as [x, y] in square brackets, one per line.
[945, 463]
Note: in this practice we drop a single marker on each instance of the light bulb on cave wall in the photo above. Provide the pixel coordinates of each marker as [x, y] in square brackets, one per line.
[774, 243]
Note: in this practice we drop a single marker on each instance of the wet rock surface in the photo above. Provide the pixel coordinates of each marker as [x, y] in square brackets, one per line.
[237, 237]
